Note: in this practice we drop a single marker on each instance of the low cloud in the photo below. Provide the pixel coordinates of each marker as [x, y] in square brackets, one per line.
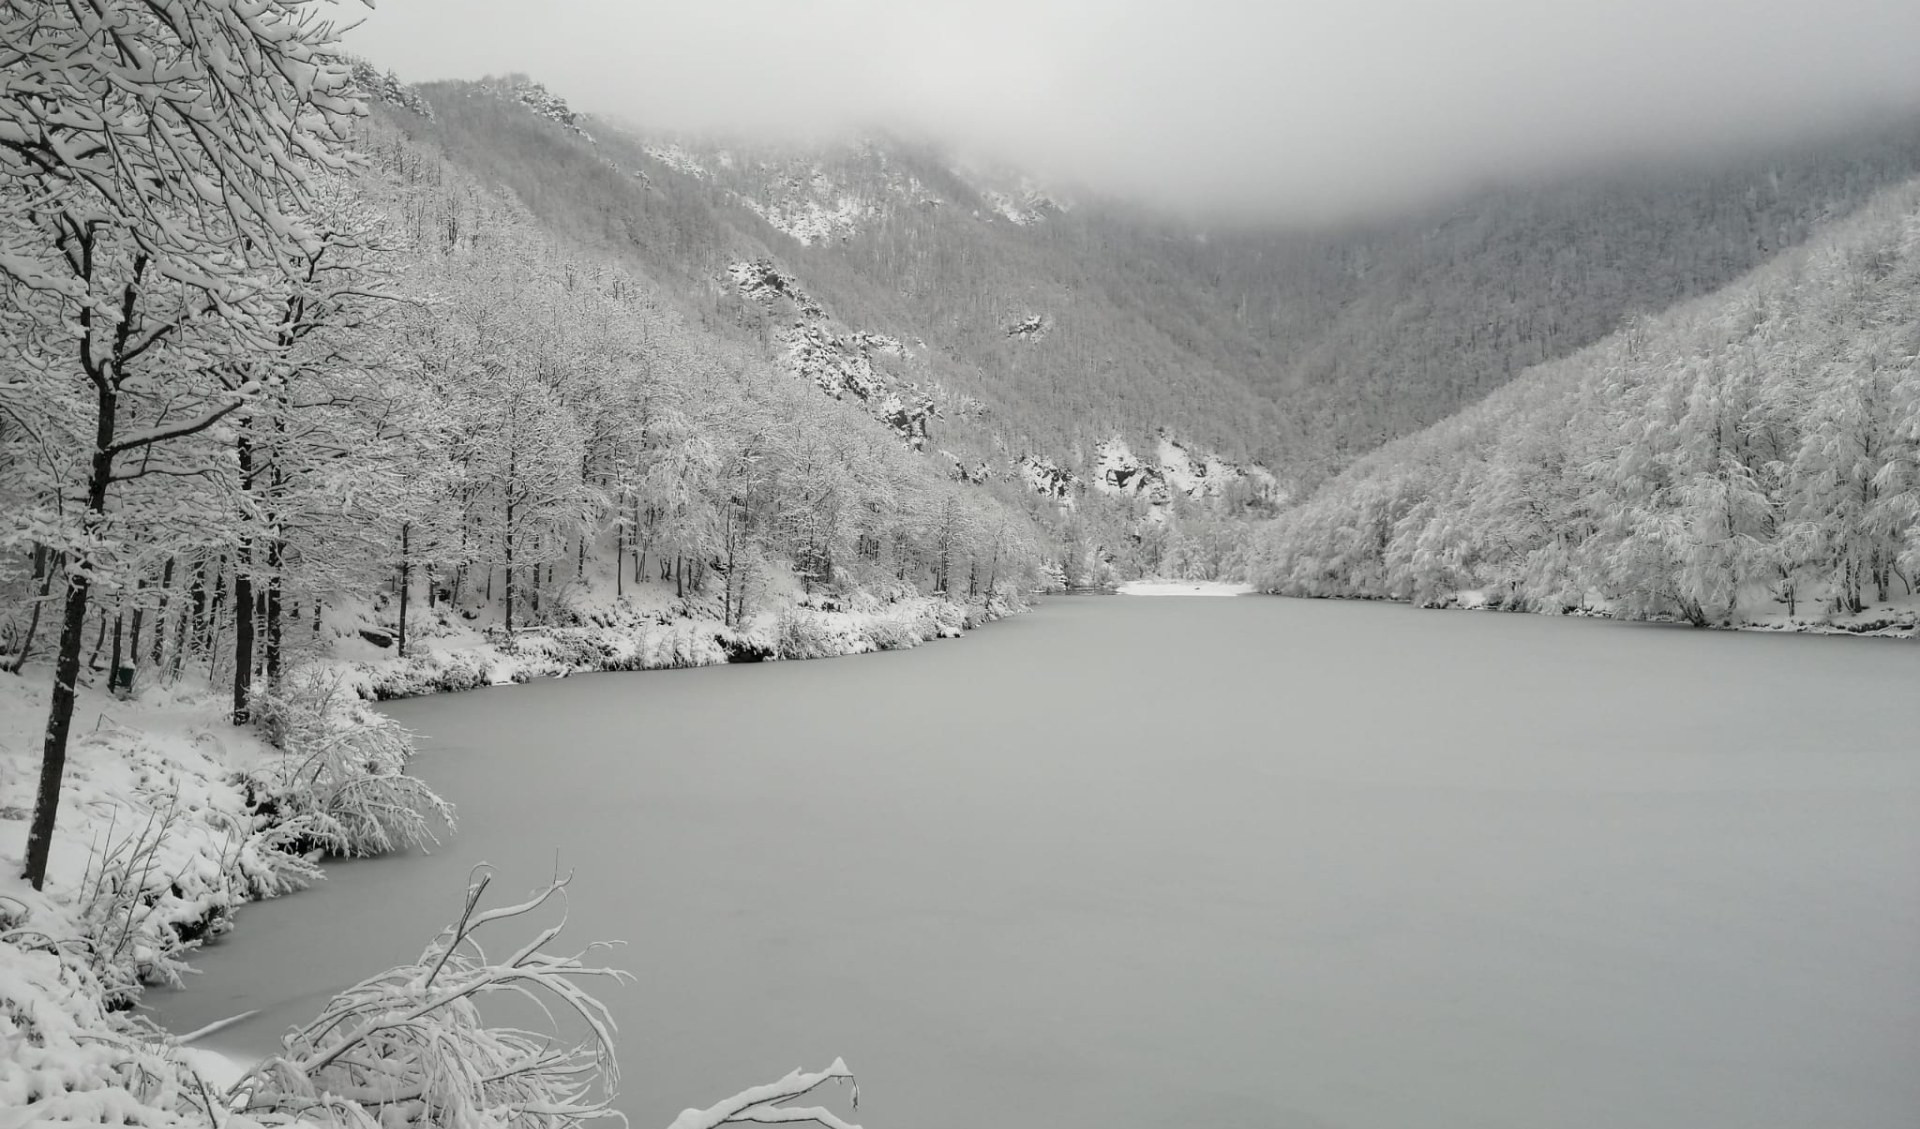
[1294, 109]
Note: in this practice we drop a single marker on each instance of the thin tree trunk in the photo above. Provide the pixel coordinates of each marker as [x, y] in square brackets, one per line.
[99, 641]
[197, 598]
[242, 635]
[274, 598]
[116, 682]
[243, 610]
[216, 609]
[33, 620]
[66, 670]
[139, 624]
[160, 613]
[406, 583]
[180, 643]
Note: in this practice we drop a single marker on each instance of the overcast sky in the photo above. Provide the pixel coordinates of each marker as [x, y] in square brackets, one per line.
[1298, 105]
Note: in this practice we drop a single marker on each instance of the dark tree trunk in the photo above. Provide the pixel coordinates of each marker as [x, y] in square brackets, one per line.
[139, 624]
[243, 602]
[406, 583]
[216, 608]
[66, 669]
[160, 612]
[274, 598]
[119, 678]
[242, 636]
[99, 641]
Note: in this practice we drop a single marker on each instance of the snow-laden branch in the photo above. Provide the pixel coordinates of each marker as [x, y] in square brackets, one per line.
[410, 1044]
[225, 406]
[761, 1104]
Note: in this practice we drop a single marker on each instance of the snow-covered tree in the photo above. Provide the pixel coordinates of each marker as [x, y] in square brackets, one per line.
[153, 158]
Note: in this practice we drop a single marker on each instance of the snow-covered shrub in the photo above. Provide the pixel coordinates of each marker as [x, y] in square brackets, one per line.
[174, 848]
[410, 1046]
[63, 1057]
[435, 672]
[949, 618]
[889, 632]
[560, 650]
[123, 911]
[683, 644]
[341, 782]
[807, 635]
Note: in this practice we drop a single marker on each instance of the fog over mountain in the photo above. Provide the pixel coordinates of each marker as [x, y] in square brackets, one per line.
[1293, 109]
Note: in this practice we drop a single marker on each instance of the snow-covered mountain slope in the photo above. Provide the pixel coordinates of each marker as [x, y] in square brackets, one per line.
[1300, 350]
[871, 368]
[1751, 457]
[1044, 324]
[1176, 471]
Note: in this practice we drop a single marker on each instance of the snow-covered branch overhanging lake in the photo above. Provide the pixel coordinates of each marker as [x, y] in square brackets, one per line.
[320, 388]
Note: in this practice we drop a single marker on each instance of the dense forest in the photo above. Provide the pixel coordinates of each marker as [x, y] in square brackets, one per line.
[1297, 349]
[1749, 454]
[292, 383]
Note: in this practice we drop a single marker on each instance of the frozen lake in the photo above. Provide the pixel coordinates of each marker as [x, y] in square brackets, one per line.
[1166, 862]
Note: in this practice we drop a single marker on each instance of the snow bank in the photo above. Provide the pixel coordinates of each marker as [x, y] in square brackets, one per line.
[170, 819]
[1898, 618]
[808, 629]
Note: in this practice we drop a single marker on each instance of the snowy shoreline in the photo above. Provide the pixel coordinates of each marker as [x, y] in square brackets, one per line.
[165, 773]
[1899, 620]
[635, 642]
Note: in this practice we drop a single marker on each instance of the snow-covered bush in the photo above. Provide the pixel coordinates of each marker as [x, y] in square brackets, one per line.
[62, 1055]
[801, 634]
[949, 618]
[173, 848]
[889, 632]
[341, 782]
[131, 935]
[433, 672]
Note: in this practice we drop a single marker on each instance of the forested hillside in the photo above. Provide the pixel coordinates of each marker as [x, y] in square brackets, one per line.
[806, 311]
[1019, 334]
[1296, 349]
[445, 408]
[1751, 455]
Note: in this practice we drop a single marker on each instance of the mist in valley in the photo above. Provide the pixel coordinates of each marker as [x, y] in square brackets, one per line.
[1278, 112]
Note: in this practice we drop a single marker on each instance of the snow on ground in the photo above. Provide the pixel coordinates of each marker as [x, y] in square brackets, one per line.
[156, 846]
[162, 837]
[1898, 617]
[1184, 588]
[677, 159]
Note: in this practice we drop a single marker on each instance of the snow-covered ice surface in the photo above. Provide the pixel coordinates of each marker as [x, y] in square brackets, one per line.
[1177, 862]
[1183, 588]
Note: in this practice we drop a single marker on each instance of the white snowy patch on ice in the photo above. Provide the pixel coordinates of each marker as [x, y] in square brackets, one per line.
[1183, 588]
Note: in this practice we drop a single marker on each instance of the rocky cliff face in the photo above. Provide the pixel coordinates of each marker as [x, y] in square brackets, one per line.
[1177, 471]
[868, 368]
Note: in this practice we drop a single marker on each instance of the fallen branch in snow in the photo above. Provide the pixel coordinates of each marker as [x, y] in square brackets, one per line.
[761, 1104]
[409, 1046]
